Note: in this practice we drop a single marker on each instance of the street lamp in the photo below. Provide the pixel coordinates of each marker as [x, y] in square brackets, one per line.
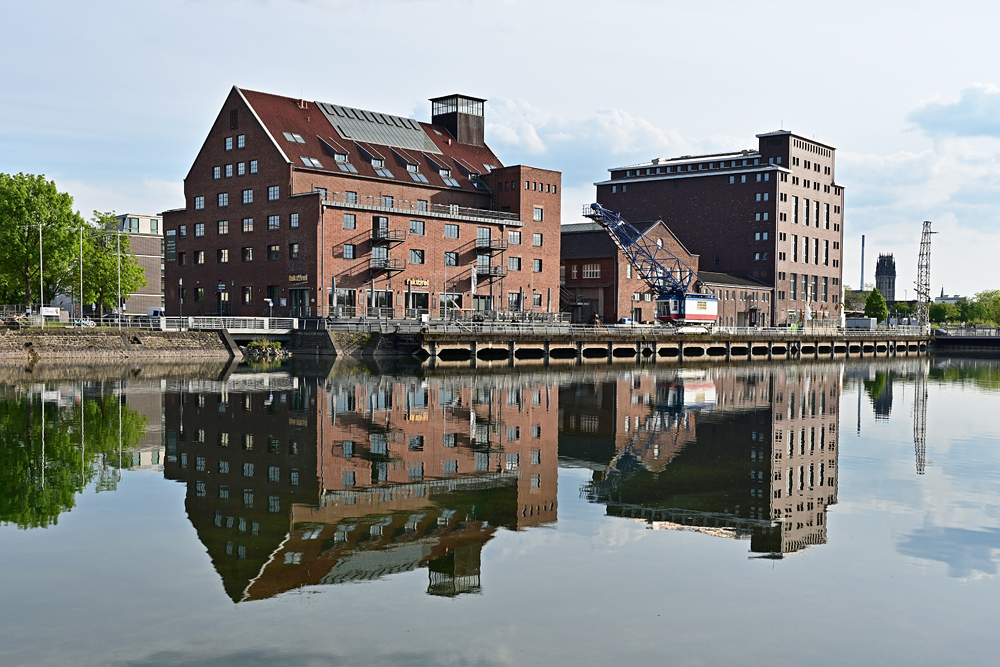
[270, 306]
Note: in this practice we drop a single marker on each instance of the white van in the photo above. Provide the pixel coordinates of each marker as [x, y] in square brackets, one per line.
[155, 312]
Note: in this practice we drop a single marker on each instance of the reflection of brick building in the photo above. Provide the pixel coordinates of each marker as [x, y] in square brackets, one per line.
[363, 479]
[693, 450]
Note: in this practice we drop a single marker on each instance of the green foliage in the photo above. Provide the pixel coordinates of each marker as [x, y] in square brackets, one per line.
[875, 306]
[28, 202]
[988, 302]
[943, 312]
[38, 483]
[264, 344]
[101, 240]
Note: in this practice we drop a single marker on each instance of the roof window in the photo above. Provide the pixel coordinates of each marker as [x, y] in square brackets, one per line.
[294, 138]
[379, 166]
[414, 171]
[446, 177]
[312, 162]
[343, 164]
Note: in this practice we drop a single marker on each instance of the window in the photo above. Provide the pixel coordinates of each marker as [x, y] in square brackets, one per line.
[379, 166]
[451, 259]
[294, 138]
[795, 247]
[273, 252]
[536, 265]
[536, 300]
[273, 222]
[247, 254]
[154, 226]
[795, 210]
[514, 263]
[537, 239]
[416, 256]
[247, 225]
[216, 173]
[229, 171]
[199, 229]
[591, 270]
[451, 231]
[293, 220]
[247, 296]
[387, 201]
[293, 251]
[311, 162]
[792, 287]
[199, 293]
[199, 203]
[514, 238]
[253, 166]
[513, 301]
[573, 272]
[241, 141]
[229, 143]
[223, 227]
[223, 199]
[805, 249]
[417, 227]
[349, 251]
[181, 259]
[199, 256]
[351, 197]
[222, 254]
[421, 204]
[826, 288]
[272, 193]
[539, 213]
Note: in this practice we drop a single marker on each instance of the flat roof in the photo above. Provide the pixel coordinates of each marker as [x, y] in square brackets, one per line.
[776, 133]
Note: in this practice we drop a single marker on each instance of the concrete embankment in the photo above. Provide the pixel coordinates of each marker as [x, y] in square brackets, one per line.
[33, 346]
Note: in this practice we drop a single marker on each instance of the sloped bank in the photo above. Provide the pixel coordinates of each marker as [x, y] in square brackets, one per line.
[31, 346]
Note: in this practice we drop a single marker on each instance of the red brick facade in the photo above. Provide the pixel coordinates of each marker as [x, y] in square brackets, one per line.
[361, 215]
[775, 214]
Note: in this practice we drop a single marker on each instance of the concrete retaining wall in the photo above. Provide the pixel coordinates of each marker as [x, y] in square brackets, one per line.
[31, 346]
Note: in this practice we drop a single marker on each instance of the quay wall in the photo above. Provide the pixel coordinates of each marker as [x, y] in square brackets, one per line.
[32, 346]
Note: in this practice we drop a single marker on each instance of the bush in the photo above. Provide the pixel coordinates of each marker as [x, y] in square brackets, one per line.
[264, 344]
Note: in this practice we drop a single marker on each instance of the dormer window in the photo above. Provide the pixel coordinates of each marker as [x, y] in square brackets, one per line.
[414, 171]
[446, 177]
[379, 165]
[294, 138]
[311, 162]
[343, 164]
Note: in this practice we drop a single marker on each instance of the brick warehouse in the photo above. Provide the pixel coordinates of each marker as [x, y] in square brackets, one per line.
[323, 209]
[774, 214]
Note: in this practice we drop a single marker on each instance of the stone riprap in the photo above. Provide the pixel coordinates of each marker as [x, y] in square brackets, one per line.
[68, 344]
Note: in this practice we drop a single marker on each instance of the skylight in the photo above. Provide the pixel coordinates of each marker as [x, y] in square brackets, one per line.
[379, 166]
[294, 138]
[343, 164]
[312, 162]
[446, 177]
[414, 171]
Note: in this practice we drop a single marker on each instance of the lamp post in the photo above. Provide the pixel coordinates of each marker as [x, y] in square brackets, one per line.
[41, 294]
[118, 297]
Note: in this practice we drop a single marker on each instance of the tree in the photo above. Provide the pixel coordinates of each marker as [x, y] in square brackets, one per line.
[943, 312]
[988, 302]
[875, 306]
[968, 311]
[101, 240]
[28, 202]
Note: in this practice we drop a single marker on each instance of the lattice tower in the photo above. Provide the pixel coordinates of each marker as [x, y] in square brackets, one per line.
[923, 284]
[920, 416]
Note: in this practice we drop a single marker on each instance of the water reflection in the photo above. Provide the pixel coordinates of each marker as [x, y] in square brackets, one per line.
[58, 438]
[745, 452]
[333, 481]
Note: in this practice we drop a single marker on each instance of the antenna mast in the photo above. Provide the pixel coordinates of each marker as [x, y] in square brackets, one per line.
[924, 277]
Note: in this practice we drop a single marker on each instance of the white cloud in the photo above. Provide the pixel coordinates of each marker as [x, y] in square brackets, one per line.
[976, 113]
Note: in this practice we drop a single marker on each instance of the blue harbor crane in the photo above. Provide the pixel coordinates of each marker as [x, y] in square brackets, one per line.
[666, 273]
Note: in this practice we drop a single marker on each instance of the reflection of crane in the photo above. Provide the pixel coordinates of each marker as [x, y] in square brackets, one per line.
[662, 270]
[924, 277]
[920, 416]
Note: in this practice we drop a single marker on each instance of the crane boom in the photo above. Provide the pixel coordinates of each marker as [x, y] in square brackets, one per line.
[666, 273]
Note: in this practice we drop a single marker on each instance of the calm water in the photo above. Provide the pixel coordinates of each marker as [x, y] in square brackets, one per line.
[746, 515]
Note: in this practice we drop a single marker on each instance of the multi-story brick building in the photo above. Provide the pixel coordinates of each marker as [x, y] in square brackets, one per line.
[320, 209]
[598, 279]
[774, 214]
[146, 244]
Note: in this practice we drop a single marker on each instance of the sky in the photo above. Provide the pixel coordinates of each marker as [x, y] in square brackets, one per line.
[113, 99]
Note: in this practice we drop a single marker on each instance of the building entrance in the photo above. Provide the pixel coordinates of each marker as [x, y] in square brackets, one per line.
[299, 302]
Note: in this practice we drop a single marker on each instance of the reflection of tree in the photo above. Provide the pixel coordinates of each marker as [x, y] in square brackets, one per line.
[38, 483]
[880, 391]
[983, 374]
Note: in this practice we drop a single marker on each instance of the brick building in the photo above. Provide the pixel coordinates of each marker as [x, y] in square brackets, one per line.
[598, 279]
[774, 214]
[324, 209]
[146, 244]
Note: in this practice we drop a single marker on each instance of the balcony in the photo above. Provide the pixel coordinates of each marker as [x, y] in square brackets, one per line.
[387, 264]
[406, 207]
[387, 236]
[490, 246]
[491, 271]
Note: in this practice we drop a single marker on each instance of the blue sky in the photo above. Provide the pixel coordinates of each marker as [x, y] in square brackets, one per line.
[113, 99]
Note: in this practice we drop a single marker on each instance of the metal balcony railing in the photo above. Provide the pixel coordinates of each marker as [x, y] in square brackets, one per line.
[387, 264]
[388, 235]
[420, 207]
[491, 245]
[495, 270]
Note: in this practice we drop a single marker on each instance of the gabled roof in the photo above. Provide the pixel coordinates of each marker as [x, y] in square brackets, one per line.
[355, 131]
[714, 278]
[585, 240]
